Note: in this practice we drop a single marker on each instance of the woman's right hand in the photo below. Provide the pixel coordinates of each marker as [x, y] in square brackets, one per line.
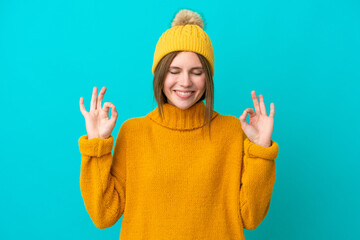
[98, 124]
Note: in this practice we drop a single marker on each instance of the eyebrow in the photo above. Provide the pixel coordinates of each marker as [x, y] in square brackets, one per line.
[190, 69]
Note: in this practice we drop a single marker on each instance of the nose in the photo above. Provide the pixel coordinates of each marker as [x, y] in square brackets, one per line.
[185, 80]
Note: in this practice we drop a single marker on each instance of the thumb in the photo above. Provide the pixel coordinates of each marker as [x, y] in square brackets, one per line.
[114, 113]
[243, 119]
[105, 109]
[243, 116]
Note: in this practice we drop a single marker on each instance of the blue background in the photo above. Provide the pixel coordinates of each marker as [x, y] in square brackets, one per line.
[302, 55]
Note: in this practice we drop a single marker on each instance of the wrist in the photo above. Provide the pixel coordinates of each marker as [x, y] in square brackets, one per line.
[91, 137]
[263, 143]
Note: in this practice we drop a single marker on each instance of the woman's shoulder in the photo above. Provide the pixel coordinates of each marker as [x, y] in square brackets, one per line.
[134, 122]
[228, 120]
[227, 125]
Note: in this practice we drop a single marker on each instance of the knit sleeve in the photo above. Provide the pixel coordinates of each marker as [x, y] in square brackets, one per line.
[102, 178]
[257, 181]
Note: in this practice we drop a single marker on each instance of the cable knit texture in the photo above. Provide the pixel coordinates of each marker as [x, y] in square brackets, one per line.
[170, 181]
[189, 37]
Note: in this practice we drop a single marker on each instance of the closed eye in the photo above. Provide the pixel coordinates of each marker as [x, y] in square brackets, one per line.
[198, 74]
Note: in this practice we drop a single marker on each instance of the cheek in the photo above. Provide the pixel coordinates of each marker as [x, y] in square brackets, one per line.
[168, 83]
[201, 84]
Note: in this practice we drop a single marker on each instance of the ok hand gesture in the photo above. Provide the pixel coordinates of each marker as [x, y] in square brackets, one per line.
[98, 124]
[260, 129]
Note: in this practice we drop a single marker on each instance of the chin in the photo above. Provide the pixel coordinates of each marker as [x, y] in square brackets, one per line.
[183, 105]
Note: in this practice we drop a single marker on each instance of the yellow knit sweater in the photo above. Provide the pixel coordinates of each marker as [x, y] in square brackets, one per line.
[171, 181]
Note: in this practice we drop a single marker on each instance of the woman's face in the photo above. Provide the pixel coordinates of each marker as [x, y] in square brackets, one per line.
[184, 83]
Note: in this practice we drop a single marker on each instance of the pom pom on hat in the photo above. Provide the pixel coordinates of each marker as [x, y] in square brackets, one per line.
[186, 34]
[185, 16]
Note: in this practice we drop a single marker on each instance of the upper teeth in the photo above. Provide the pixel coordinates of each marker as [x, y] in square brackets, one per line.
[184, 93]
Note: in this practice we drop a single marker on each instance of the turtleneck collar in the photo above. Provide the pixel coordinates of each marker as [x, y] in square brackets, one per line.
[180, 119]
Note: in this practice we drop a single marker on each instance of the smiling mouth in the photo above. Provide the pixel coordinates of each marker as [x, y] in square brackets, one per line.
[184, 93]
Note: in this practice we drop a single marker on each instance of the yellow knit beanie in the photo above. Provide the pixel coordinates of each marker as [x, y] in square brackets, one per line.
[186, 34]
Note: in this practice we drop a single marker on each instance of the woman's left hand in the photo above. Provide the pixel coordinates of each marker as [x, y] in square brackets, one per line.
[260, 129]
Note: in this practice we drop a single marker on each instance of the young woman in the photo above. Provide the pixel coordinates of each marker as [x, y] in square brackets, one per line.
[168, 177]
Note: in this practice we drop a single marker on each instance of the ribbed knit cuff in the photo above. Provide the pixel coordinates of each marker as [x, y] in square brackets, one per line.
[254, 150]
[95, 147]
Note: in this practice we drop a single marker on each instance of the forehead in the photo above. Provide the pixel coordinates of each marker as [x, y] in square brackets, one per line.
[186, 60]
